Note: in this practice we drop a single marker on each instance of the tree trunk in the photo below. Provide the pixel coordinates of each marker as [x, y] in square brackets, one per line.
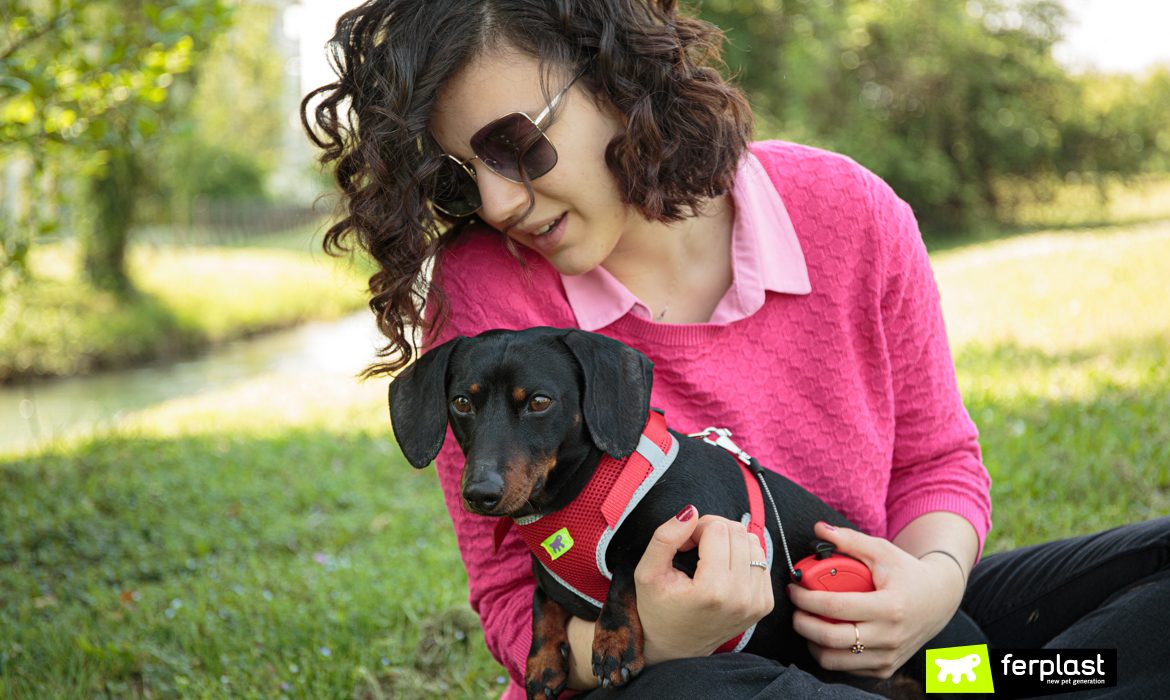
[103, 246]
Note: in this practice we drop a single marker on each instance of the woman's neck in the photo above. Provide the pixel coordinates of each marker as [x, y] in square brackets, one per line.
[680, 270]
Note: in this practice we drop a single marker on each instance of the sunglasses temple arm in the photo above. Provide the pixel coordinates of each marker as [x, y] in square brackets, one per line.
[539, 121]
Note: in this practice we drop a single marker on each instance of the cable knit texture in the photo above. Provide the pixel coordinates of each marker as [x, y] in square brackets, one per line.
[849, 391]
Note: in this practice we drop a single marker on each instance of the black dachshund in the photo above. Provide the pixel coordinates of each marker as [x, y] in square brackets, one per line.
[535, 413]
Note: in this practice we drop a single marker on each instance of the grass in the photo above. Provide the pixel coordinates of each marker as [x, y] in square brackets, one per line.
[268, 540]
[235, 544]
[1062, 346]
[188, 299]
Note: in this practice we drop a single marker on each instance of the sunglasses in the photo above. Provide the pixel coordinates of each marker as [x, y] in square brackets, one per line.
[513, 147]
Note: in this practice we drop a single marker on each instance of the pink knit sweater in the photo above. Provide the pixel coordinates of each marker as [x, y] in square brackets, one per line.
[849, 391]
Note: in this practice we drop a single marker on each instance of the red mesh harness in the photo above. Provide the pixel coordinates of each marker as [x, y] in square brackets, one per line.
[571, 543]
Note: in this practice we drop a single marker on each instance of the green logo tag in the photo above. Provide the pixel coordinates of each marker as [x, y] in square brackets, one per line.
[558, 543]
[959, 670]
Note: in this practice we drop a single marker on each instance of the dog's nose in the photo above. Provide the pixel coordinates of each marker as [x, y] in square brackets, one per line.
[483, 493]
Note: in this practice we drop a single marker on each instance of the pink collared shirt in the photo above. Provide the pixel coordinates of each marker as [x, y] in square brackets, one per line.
[765, 257]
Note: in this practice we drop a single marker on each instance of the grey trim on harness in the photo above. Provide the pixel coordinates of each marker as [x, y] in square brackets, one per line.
[768, 550]
[659, 463]
[563, 582]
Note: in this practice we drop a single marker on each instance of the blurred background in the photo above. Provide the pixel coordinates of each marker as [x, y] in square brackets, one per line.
[198, 497]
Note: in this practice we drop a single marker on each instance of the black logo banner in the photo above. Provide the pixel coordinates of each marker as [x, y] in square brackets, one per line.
[1022, 673]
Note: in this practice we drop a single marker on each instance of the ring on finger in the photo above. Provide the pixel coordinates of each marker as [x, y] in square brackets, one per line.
[760, 564]
[857, 647]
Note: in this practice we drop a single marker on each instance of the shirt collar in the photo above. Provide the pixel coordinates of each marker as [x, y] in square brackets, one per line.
[766, 256]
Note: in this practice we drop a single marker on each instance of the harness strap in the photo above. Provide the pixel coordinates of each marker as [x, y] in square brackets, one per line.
[755, 505]
[721, 437]
[755, 526]
[635, 471]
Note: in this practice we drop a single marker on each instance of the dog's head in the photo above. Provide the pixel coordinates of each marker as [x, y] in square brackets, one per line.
[532, 411]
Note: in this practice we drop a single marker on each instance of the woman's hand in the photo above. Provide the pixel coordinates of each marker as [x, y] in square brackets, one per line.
[914, 600]
[684, 617]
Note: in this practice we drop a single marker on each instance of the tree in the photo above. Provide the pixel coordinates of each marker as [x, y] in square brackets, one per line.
[938, 97]
[84, 85]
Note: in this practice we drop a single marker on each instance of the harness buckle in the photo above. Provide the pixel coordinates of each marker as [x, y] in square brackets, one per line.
[721, 437]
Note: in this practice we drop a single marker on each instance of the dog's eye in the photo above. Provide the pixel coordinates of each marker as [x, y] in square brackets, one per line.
[539, 403]
[461, 404]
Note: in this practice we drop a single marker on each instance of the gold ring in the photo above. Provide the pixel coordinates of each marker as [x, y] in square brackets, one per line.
[857, 647]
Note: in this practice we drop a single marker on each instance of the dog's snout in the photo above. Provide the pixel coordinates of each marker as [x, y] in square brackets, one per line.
[484, 491]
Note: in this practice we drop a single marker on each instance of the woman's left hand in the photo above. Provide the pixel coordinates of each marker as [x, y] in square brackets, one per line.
[914, 599]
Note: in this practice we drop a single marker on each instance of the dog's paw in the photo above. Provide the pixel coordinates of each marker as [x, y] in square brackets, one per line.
[616, 656]
[547, 674]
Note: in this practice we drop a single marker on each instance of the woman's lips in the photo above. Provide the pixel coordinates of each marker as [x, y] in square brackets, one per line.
[547, 242]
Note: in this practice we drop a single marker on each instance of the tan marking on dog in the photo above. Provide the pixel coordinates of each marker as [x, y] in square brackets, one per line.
[474, 389]
[547, 666]
[521, 476]
[519, 394]
[623, 644]
[547, 464]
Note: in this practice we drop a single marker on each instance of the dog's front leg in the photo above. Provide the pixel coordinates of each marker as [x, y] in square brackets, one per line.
[617, 637]
[548, 659]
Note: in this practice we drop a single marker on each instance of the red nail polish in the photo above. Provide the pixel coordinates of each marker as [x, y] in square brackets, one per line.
[828, 527]
[685, 514]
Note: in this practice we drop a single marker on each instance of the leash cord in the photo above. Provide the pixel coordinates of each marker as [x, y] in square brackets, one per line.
[759, 472]
[721, 437]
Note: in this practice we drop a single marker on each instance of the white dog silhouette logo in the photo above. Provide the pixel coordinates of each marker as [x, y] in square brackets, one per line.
[953, 669]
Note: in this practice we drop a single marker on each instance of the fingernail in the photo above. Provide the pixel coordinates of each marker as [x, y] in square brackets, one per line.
[685, 514]
[828, 527]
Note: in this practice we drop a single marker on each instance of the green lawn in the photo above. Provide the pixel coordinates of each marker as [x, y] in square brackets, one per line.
[268, 539]
[1062, 345]
[188, 298]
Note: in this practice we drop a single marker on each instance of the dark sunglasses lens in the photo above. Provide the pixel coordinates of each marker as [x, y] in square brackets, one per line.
[513, 147]
[455, 191]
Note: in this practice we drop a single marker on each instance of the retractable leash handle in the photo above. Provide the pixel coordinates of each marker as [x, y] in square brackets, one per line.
[828, 571]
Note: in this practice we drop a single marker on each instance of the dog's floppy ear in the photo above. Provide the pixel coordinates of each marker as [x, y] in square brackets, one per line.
[418, 405]
[616, 391]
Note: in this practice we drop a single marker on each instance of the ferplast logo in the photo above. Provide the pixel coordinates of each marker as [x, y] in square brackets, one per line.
[558, 543]
[1019, 673]
[1035, 672]
[959, 670]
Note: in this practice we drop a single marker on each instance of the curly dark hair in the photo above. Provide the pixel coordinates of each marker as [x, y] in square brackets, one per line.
[686, 127]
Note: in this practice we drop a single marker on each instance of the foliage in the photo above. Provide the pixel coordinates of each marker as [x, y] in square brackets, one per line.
[1117, 123]
[268, 539]
[85, 85]
[942, 99]
[226, 136]
[1081, 200]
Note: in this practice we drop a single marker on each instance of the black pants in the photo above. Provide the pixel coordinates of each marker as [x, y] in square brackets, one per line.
[1108, 590]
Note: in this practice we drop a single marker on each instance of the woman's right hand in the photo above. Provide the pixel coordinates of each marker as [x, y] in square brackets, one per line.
[684, 617]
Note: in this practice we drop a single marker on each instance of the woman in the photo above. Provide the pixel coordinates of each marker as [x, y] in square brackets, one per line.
[583, 164]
